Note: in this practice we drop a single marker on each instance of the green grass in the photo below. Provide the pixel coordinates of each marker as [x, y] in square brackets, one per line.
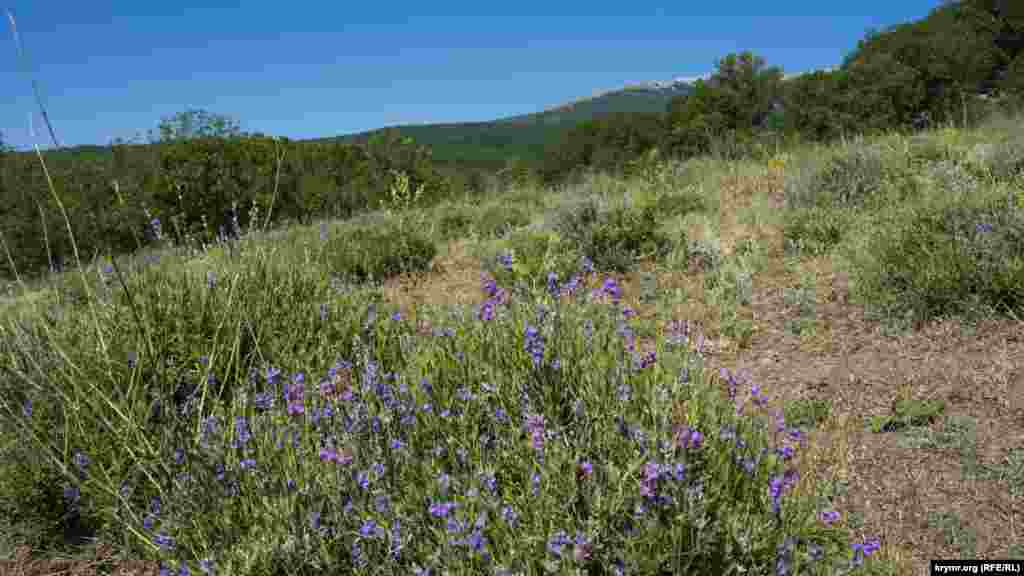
[480, 447]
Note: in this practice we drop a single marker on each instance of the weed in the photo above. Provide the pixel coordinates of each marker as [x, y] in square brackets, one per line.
[907, 412]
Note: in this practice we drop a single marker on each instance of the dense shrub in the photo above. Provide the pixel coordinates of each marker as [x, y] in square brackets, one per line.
[613, 239]
[948, 257]
[455, 222]
[528, 255]
[37, 507]
[497, 220]
[813, 230]
[673, 204]
[37, 492]
[378, 252]
[607, 143]
[849, 179]
[1006, 159]
[703, 255]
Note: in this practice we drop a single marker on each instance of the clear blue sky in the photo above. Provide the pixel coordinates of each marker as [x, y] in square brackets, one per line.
[311, 69]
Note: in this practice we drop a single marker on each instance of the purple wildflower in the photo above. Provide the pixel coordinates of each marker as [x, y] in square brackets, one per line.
[164, 541]
[583, 548]
[264, 401]
[442, 509]
[612, 289]
[584, 470]
[509, 515]
[370, 529]
[861, 551]
[689, 438]
[571, 287]
[553, 284]
[272, 375]
[759, 398]
[490, 483]
[647, 360]
[534, 345]
[588, 265]
[779, 484]
[487, 311]
[784, 558]
[81, 462]
[340, 457]
[559, 540]
[72, 494]
[242, 432]
[535, 426]
[785, 452]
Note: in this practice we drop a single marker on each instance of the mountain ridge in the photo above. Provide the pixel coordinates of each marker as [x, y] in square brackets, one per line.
[524, 136]
[656, 90]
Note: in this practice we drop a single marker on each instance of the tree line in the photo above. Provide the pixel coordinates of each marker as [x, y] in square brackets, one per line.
[955, 66]
[200, 177]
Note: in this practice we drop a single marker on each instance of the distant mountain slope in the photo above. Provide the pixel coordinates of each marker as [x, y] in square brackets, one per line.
[524, 135]
[650, 97]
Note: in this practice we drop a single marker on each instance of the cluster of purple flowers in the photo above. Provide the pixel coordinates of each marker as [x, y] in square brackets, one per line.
[535, 426]
[294, 394]
[534, 345]
[495, 297]
[394, 408]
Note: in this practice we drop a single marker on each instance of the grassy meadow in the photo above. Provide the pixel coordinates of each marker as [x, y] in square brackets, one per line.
[802, 364]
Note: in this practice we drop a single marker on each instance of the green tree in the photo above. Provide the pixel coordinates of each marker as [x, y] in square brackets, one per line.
[209, 171]
[747, 89]
[607, 143]
[1012, 82]
[958, 51]
[193, 123]
[737, 100]
[881, 94]
[814, 107]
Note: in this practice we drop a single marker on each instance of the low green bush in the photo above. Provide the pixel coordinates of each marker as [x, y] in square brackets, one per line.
[614, 239]
[527, 256]
[498, 220]
[378, 252]
[813, 230]
[455, 222]
[951, 257]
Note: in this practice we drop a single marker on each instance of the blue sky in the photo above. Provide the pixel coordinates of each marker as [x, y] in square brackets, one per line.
[312, 69]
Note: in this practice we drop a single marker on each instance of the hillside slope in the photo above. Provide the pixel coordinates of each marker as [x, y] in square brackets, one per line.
[524, 136]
